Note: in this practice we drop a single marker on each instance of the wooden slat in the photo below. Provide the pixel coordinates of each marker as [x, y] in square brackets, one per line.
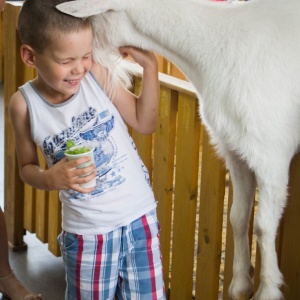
[41, 216]
[1, 49]
[165, 80]
[13, 186]
[212, 193]
[187, 153]
[54, 227]
[290, 258]
[144, 145]
[163, 171]
[29, 208]
[166, 67]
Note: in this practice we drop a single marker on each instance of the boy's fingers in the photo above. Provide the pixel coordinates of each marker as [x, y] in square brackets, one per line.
[79, 161]
[85, 171]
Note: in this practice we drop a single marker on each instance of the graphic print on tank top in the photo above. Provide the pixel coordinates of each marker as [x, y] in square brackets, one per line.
[94, 131]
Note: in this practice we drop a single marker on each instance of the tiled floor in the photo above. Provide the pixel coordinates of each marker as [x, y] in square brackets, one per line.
[36, 267]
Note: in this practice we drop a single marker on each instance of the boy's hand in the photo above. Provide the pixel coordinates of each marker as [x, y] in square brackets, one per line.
[64, 175]
[142, 57]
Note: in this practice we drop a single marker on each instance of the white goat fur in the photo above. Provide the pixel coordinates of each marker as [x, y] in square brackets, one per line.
[244, 61]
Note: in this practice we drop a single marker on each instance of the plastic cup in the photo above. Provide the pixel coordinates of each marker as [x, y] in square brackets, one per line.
[90, 153]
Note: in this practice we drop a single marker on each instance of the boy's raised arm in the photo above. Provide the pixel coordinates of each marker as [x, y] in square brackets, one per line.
[141, 112]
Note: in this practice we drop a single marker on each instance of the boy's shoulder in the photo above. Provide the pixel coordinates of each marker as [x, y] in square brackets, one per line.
[17, 96]
[17, 103]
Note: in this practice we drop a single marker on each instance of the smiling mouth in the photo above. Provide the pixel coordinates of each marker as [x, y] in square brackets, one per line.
[73, 82]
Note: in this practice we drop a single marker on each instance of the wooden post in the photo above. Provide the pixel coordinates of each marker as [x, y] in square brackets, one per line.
[13, 186]
[15, 74]
[1, 48]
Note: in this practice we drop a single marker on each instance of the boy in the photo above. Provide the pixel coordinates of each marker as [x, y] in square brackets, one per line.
[109, 241]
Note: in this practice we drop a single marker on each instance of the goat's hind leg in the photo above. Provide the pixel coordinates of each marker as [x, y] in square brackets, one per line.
[241, 287]
[272, 184]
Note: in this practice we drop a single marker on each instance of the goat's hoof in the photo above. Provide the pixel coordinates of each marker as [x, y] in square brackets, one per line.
[241, 289]
[242, 296]
[268, 293]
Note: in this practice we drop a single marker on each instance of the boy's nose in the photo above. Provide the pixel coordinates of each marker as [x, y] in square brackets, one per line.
[79, 68]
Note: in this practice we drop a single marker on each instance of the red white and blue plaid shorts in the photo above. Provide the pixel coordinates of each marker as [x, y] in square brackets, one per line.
[122, 264]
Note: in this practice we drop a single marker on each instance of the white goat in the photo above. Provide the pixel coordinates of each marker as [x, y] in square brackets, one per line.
[244, 61]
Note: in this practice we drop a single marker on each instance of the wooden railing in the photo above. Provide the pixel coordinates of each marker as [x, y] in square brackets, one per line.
[190, 184]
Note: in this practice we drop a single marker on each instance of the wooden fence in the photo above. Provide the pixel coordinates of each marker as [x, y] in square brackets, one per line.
[190, 183]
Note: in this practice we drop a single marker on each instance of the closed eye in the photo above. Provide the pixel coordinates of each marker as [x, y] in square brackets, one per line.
[64, 62]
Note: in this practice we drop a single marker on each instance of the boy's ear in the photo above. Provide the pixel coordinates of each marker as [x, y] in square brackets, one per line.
[28, 56]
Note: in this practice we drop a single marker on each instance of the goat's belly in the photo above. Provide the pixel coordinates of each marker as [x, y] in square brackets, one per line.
[222, 124]
[255, 138]
[231, 133]
[223, 134]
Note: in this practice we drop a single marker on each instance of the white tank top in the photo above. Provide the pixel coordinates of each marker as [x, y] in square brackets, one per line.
[123, 192]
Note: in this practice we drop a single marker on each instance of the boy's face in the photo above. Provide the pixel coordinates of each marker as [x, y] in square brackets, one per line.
[63, 64]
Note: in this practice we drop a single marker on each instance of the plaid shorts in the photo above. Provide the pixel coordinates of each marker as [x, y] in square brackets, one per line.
[122, 264]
